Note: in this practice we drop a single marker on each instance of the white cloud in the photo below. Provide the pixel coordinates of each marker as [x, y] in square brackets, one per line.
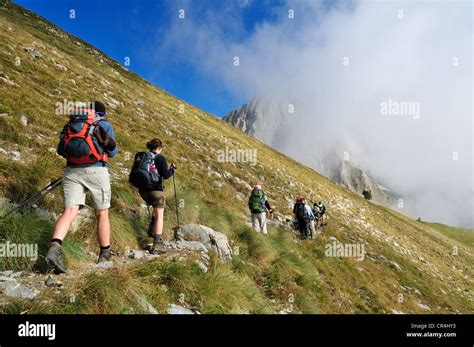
[407, 56]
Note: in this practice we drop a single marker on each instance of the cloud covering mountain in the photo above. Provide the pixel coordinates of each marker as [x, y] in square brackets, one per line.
[388, 83]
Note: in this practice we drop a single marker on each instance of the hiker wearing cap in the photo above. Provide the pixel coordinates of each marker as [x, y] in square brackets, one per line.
[149, 170]
[87, 142]
[258, 206]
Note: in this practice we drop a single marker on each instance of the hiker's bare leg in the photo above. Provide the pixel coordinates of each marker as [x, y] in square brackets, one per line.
[64, 222]
[103, 227]
[158, 212]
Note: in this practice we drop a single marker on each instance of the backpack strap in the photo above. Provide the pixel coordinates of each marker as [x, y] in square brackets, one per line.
[142, 159]
[105, 154]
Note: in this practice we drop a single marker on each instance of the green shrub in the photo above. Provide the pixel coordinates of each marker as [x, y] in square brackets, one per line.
[5, 109]
[367, 194]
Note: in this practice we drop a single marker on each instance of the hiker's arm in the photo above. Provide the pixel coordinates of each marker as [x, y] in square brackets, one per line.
[110, 144]
[104, 138]
[162, 166]
[60, 148]
[267, 205]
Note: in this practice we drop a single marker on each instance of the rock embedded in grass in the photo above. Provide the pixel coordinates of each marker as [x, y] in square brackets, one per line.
[136, 254]
[24, 120]
[176, 309]
[10, 287]
[105, 264]
[395, 266]
[212, 240]
[49, 282]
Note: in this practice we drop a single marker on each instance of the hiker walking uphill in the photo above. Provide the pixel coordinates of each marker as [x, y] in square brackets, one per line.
[258, 205]
[149, 170]
[322, 213]
[303, 215]
[317, 216]
[87, 142]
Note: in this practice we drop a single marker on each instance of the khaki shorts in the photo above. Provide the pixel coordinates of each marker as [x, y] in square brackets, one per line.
[77, 181]
[154, 198]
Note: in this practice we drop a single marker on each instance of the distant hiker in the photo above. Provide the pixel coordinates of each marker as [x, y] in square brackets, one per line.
[258, 205]
[309, 212]
[317, 216]
[316, 210]
[149, 170]
[322, 212]
[87, 142]
[303, 215]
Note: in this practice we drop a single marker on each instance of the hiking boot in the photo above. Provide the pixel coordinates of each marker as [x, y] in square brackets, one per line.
[53, 258]
[150, 231]
[104, 255]
[158, 248]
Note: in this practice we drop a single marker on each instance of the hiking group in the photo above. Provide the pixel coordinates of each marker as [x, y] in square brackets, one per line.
[306, 219]
[87, 142]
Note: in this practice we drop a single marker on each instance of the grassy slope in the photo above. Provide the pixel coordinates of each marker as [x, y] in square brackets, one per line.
[269, 273]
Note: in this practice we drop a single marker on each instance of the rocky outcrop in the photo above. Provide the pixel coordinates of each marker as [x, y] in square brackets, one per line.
[246, 117]
[144, 304]
[7, 80]
[176, 309]
[252, 118]
[34, 53]
[200, 237]
[10, 287]
[357, 180]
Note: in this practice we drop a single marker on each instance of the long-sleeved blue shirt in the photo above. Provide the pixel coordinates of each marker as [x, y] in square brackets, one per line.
[110, 130]
[309, 211]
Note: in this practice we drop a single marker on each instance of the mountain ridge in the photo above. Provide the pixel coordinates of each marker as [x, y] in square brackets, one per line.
[250, 118]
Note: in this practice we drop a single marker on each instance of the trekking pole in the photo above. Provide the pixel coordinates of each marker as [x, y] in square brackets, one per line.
[36, 197]
[39, 195]
[176, 201]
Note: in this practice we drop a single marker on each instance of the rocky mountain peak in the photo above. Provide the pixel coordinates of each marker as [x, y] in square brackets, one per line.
[262, 118]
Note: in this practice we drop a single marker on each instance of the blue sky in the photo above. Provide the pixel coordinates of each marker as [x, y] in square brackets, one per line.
[136, 29]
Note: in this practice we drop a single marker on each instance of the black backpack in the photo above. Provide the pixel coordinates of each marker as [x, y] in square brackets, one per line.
[144, 174]
[301, 213]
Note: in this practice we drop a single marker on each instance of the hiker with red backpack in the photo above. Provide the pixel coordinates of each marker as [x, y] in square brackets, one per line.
[148, 172]
[258, 205]
[304, 216]
[87, 142]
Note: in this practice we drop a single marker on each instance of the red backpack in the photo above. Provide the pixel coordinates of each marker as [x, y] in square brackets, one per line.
[78, 145]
